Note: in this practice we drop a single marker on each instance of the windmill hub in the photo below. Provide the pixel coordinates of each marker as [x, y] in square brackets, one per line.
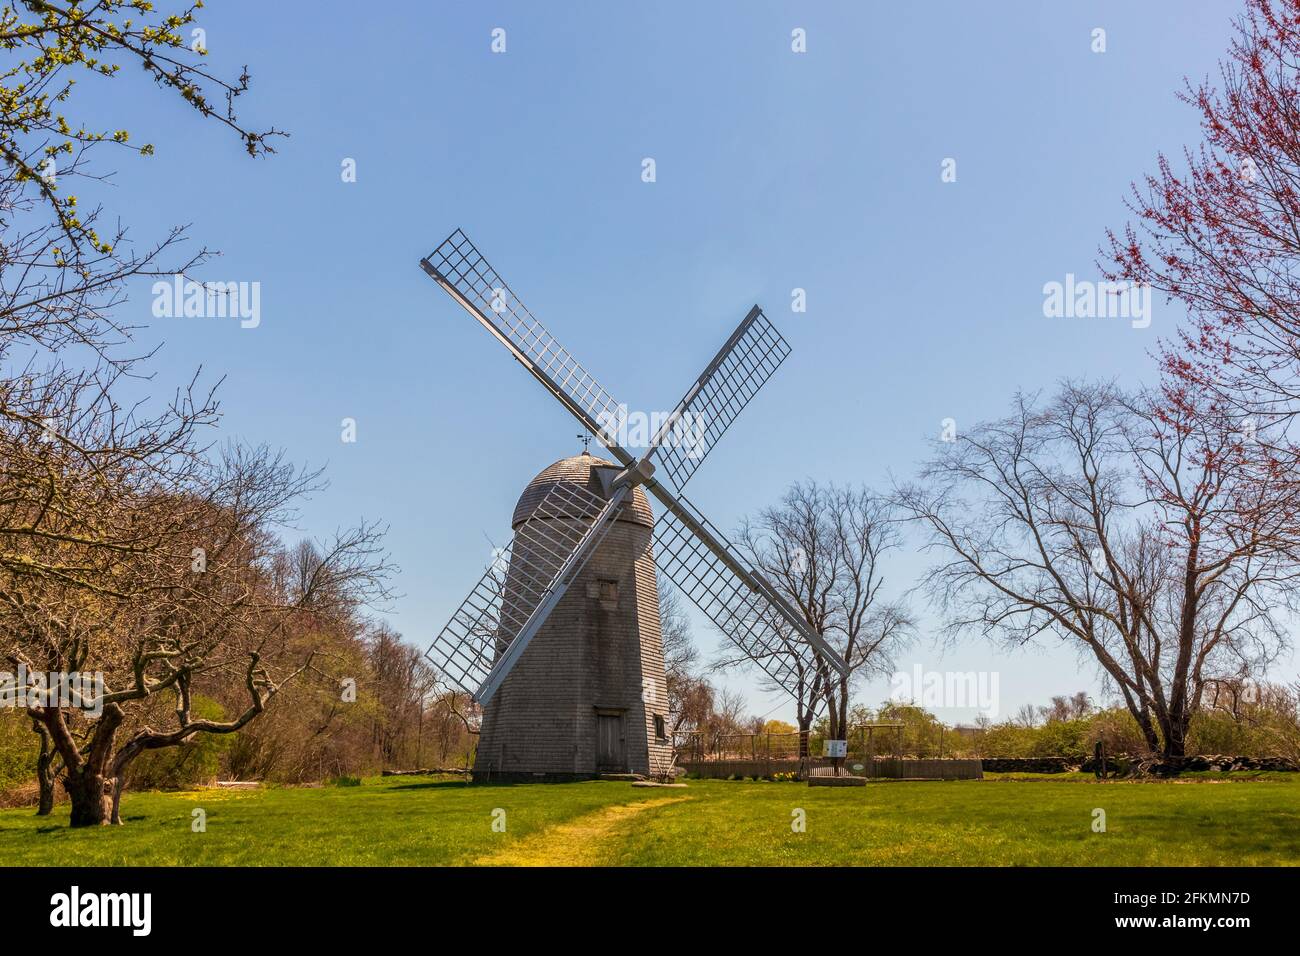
[637, 473]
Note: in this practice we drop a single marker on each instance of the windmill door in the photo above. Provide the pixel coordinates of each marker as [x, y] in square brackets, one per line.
[611, 751]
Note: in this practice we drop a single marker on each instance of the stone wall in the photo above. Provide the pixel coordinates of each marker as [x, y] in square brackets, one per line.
[1027, 765]
[1122, 762]
[1204, 762]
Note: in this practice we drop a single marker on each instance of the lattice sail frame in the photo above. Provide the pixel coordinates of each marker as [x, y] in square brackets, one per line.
[463, 267]
[742, 614]
[745, 362]
[521, 576]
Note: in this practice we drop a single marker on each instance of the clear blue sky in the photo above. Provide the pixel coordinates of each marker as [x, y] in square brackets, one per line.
[775, 170]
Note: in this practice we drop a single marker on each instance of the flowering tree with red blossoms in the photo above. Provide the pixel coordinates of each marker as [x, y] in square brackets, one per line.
[1222, 236]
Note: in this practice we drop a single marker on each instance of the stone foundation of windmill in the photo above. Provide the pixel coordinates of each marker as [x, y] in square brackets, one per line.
[588, 694]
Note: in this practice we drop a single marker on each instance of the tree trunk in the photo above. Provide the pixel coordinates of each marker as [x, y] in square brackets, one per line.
[1142, 715]
[45, 803]
[1175, 738]
[45, 775]
[116, 815]
[840, 705]
[1149, 733]
[92, 803]
[84, 777]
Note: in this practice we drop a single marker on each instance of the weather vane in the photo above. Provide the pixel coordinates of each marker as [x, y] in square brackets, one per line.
[586, 441]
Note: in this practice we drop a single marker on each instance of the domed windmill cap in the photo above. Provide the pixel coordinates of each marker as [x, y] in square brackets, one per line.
[580, 470]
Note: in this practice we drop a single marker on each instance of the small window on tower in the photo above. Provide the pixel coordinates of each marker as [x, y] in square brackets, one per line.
[661, 729]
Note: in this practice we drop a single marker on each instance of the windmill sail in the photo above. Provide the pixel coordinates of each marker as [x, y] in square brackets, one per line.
[740, 603]
[744, 363]
[461, 270]
[507, 606]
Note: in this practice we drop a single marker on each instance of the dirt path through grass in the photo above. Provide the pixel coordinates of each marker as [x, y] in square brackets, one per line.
[576, 843]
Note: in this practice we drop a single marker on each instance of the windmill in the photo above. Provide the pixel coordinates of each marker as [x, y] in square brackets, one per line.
[558, 532]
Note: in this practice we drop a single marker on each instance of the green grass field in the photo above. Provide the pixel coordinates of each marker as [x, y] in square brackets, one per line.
[1008, 821]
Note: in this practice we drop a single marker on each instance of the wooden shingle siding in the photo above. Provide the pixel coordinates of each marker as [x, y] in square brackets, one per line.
[596, 652]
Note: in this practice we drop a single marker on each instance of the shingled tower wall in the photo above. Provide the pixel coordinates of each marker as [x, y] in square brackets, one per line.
[595, 669]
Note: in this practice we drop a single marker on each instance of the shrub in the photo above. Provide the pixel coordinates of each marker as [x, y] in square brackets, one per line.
[1215, 732]
[1062, 738]
[19, 746]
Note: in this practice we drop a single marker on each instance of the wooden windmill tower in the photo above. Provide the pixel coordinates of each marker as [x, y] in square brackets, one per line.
[559, 641]
[589, 694]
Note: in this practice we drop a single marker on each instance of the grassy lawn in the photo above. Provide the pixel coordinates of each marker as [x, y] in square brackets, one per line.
[1005, 820]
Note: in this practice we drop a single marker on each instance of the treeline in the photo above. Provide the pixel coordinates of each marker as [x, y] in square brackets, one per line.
[369, 702]
[380, 708]
[1237, 718]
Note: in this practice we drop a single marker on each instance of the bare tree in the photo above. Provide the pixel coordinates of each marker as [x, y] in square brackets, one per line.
[1064, 708]
[1136, 532]
[822, 548]
[404, 686]
[686, 704]
[1028, 716]
[729, 717]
